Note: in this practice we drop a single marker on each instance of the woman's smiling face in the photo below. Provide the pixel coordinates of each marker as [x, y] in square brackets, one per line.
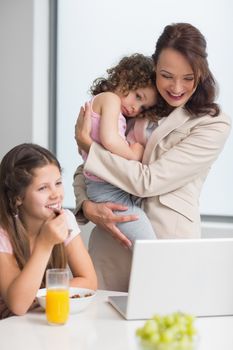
[174, 78]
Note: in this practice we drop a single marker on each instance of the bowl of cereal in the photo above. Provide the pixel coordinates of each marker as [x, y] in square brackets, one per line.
[80, 298]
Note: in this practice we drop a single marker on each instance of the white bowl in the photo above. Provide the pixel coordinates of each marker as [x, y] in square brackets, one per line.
[76, 304]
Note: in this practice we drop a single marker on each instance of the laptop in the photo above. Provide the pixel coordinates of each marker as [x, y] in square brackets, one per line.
[189, 275]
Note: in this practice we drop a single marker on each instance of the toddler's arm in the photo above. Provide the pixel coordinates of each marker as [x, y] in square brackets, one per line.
[109, 130]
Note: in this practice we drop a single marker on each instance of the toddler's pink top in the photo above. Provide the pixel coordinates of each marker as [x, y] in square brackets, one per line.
[95, 126]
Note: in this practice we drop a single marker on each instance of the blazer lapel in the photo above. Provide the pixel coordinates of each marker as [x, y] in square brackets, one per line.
[177, 118]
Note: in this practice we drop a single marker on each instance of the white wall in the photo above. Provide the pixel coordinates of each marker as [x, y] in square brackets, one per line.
[93, 35]
[91, 45]
[23, 72]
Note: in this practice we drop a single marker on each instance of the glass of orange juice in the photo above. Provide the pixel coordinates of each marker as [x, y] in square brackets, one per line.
[57, 296]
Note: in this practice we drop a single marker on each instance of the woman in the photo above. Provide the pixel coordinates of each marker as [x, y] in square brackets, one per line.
[181, 148]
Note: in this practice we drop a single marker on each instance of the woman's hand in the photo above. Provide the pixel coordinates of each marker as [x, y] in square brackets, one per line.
[102, 215]
[83, 128]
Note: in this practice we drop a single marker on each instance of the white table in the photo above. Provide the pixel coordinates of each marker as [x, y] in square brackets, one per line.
[99, 327]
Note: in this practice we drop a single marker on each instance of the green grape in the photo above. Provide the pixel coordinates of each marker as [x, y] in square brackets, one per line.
[169, 332]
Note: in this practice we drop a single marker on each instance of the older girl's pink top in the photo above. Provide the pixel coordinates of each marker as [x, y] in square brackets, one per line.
[5, 247]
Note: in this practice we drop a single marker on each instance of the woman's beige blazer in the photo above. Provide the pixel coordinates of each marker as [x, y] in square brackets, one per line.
[176, 161]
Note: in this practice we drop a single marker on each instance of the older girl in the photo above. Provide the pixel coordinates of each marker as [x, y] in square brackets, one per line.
[35, 232]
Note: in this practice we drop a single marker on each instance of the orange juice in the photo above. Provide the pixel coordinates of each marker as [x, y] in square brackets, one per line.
[57, 305]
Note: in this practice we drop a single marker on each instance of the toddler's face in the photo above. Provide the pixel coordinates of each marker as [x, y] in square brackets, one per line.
[136, 101]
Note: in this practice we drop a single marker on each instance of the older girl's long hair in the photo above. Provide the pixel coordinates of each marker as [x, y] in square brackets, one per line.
[16, 174]
[188, 40]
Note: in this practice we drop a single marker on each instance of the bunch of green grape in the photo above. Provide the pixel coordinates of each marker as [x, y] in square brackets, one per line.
[175, 331]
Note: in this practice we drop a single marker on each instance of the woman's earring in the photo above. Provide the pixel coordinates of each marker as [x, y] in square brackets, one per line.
[16, 213]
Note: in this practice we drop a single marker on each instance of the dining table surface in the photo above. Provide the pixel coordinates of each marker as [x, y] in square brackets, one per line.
[99, 327]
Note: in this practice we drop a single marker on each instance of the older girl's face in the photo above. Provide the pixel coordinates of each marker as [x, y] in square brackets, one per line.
[44, 195]
[174, 78]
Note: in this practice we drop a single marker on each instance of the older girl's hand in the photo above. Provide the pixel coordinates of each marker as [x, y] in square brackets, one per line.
[83, 128]
[55, 229]
[102, 215]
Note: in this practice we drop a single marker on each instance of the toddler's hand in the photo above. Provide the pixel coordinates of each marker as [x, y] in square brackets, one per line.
[138, 150]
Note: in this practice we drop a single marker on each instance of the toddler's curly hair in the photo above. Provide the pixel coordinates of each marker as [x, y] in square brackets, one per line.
[131, 73]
